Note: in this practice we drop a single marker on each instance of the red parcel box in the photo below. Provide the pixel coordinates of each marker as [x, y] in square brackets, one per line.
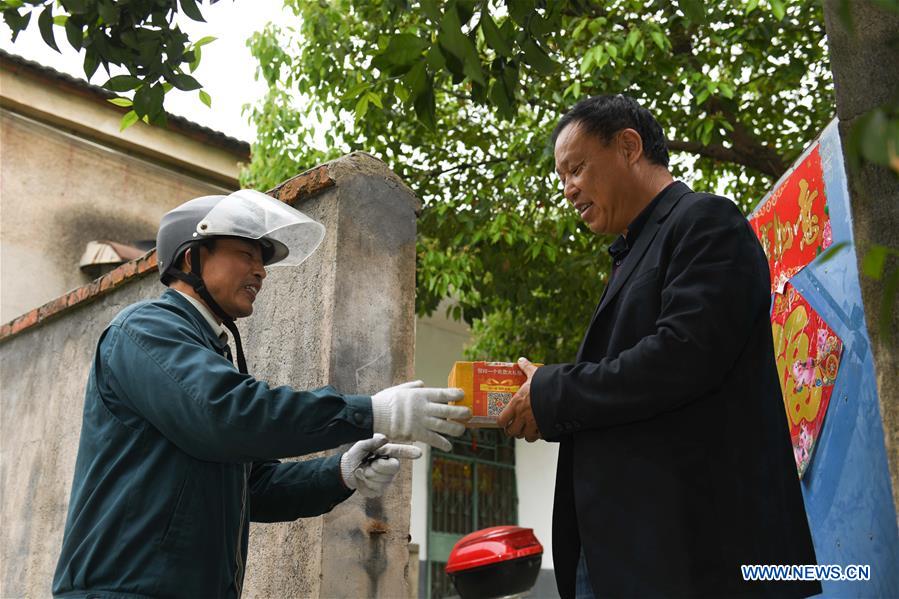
[488, 386]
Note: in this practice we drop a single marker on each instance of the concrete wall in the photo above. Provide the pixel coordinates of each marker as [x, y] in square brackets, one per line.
[59, 191]
[344, 317]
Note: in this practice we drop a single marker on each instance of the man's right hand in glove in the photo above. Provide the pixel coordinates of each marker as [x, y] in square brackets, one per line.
[413, 412]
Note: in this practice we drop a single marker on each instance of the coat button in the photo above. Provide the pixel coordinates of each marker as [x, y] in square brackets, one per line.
[358, 418]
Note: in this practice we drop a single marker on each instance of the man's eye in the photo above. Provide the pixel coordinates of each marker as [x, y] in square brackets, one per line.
[578, 169]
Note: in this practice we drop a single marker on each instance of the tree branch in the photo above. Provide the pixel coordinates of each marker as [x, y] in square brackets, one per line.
[463, 166]
[765, 161]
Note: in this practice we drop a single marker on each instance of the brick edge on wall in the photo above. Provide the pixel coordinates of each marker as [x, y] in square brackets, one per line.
[295, 189]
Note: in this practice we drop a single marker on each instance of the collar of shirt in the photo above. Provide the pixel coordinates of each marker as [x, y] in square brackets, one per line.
[218, 329]
[622, 245]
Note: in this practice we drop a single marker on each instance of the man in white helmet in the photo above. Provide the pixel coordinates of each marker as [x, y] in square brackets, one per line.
[179, 447]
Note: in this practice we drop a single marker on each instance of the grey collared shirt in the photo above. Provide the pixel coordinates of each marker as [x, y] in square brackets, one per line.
[216, 327]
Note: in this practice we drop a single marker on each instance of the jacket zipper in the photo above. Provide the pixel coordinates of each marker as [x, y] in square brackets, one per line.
[238, 571]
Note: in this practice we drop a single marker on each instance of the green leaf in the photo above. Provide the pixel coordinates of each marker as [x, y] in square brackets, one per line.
[142, 100]
[424, 104]
[195, 63]
[494, 37]
[204, 40]
[123, 102]
[129, 119]
[91, 62]
[632, 38]
[537, 58]
[122, 83]
[435, 58]
[205, 98]
[612, 50]
[189, 7]
[587, 61]
[639, 50]
[751, 5]
[416, 80]
[76, 6]
[109, 11]
[375, 99]
[15, 21]
[693, 9]
[461, 46]
[402, 50]
[431, 9]
[520, 10]
[45, 24]
[184, 82]
[778, 8]
[831, 252]
[74, 33]
[702, 96]
[60, 20]
[361, 107]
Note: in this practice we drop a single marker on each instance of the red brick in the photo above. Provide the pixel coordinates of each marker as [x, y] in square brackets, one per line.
[304, 185]
[24, 321]
[51, 308]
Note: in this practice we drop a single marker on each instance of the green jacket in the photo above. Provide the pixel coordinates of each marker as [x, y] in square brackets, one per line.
[178, 452]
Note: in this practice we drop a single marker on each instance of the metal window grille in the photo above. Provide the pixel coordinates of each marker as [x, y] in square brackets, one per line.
[472, 487]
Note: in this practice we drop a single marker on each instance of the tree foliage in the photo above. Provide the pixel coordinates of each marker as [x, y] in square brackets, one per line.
[459, 98]
[137, 35]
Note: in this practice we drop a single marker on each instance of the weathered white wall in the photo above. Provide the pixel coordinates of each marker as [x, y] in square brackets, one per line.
[344, 317]
[59, 191]
[535, 475]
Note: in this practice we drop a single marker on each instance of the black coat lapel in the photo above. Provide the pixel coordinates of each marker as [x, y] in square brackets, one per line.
[677, 191]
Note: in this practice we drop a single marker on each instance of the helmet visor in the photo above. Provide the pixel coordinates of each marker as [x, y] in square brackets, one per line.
[254, 215]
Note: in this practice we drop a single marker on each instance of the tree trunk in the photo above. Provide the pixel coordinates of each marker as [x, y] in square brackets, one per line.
[865, 65]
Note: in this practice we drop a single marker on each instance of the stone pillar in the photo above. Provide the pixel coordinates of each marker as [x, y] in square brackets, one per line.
[345, 317]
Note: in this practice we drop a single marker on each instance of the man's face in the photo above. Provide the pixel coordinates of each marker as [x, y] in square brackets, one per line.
[595, 177]
[233, 273]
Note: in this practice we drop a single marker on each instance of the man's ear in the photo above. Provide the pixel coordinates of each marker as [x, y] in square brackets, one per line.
[631, 145]
[185, 260]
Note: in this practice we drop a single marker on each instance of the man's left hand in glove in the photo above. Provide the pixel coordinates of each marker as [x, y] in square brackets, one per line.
[370, 465]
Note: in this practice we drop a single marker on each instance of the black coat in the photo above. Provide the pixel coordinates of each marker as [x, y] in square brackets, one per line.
[675, 464]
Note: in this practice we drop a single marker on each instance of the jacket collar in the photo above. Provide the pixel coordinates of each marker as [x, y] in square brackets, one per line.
[172, 297]
[666, 203]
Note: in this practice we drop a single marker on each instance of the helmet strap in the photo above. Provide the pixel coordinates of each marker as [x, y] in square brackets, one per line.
[195, 279]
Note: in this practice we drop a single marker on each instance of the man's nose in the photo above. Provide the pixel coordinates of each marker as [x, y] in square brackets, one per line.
[571, 192]
[259, 270]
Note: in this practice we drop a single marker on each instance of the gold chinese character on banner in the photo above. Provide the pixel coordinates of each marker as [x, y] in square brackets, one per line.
[807, 220]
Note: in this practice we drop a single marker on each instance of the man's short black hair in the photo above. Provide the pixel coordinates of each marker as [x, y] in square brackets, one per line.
[604, 116]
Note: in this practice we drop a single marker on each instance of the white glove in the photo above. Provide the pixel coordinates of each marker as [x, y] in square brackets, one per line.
[370, 465]
[412, 412]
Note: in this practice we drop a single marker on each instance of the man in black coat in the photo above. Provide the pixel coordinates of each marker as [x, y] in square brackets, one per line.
[675, 464]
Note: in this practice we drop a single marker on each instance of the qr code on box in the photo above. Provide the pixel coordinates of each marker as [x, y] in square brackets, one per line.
[496, 401]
